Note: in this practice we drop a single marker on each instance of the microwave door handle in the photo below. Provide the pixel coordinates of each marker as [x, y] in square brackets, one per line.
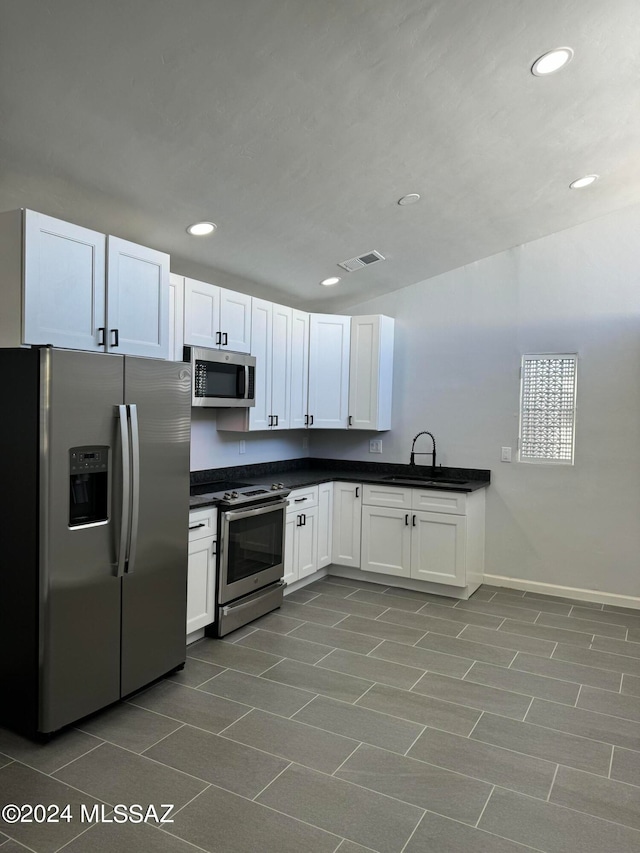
[135, 487]
[243, 382]
[126, 490]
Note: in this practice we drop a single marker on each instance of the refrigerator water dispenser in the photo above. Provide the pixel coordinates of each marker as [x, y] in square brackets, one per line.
[88, 485]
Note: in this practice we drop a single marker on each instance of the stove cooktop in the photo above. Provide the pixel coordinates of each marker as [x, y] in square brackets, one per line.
[232, 493]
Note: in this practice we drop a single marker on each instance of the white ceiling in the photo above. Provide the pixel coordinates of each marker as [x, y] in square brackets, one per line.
[296, 125]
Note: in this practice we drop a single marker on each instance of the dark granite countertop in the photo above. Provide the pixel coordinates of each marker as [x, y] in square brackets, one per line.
[299, 473]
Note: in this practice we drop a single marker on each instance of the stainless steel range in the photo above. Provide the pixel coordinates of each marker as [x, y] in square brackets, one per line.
[251, 527]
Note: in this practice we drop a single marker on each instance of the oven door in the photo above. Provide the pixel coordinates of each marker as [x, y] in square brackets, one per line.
[251, 553]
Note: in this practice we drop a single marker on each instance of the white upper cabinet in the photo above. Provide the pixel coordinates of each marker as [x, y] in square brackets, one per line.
[329, 336]
[216, 318]
[299, 369]
[371, 372]
[137, 299]
[64, 283]
[271, 327]
[176, 316]
[71, 287]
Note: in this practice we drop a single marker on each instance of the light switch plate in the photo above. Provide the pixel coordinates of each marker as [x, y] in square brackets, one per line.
[506, 454]
[375, 445]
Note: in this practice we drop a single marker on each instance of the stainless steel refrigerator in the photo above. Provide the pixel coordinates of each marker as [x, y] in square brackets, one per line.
[94, 501]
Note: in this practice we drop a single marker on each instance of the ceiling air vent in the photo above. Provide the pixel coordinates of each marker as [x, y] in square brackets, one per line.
[363, 261]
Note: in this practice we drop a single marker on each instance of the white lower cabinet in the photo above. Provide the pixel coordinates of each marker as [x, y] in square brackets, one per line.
[443, 543]
[201, 571]
[308, 532]
[347, 523]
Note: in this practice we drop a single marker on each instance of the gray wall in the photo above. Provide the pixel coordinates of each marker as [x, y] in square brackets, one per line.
[213, 449]
[459, 339]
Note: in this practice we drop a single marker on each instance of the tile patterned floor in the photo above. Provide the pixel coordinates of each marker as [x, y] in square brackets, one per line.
[365, 718]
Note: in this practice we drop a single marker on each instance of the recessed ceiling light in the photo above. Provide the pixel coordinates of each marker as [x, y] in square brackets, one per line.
[201, 229]
[583, 182]
[328, 282]
[552, 61]
[412, 198]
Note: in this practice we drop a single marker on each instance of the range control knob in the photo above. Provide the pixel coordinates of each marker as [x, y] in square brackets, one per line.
[226, 496]
[234, 495]
[274, 487]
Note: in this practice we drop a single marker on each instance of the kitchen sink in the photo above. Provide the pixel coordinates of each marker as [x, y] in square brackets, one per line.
[425, 481]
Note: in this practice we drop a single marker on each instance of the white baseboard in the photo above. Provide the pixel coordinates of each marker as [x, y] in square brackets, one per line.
[596, 595]
[316, 576]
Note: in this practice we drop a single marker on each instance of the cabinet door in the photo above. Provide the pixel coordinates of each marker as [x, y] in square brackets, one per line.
[281, 367]
[371, 372]
[201, 314]
[201, 584]
[438, 548]
[347, 518]
[235, 320]
[137, 299]
[176, 316]
[290, 556]
[329, 336]
[386, 541]
[64, 284]
[325, 523]
[307, 548]
[261, 339]
[299, 368]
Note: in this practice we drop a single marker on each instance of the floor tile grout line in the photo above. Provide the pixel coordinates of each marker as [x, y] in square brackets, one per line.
[575, 704]
[371, 651]
[342, 763]
[415, 740]
[613, 749]
[179, 838]
[556, 678]
[292, 716]
[192, 798]
[66, 764]
[160, 740]
[621, 682]
[553, 783]
[484, 807]
[482, 713]
[415, 828]
[250, 711]
[272, 781]
[533, 698]
[323, 658]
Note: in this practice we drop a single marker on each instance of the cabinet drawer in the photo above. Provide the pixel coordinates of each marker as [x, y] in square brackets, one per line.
[434, 500]
[383, 495]
[302, 499]
[203, 523]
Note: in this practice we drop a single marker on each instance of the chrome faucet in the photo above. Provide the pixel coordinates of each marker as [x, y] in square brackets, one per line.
[426, 453]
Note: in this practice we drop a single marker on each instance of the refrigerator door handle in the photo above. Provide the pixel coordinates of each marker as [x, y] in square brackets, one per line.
[135, 486]
[126, 490]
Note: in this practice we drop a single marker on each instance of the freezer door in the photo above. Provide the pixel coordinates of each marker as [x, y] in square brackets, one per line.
[79, 634]
[154, 591]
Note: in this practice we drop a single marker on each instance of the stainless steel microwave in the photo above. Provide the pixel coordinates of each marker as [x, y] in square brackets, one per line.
[221, 378]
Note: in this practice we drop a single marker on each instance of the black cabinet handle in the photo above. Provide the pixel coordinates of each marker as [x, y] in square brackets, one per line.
[196, 526]
[306, 420]
[276, 423]
[414, 521]
[270, 420]
[406, 520]
[357, 491]
[311, 420]
[298, 521]
[225, 342]
[116, 337]
[101, 340]
[297, 500]
[218, 338]
[350, 420]
[304, 519]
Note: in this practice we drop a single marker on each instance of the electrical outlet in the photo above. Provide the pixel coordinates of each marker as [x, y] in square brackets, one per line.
[242, 446]
[506, 454]
[375, 445]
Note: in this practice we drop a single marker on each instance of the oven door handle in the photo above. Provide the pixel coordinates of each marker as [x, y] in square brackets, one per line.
[235, 514]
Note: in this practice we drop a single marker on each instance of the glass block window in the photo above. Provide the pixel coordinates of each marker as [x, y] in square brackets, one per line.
[548, 407]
